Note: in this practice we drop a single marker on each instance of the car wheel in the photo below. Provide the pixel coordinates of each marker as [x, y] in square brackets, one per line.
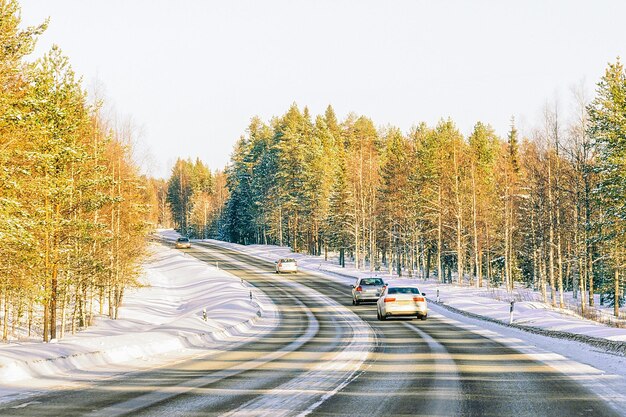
[423, 317]
[353, 302]
[357, 302]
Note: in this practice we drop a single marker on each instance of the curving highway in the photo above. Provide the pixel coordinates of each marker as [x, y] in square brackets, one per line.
[329, 358]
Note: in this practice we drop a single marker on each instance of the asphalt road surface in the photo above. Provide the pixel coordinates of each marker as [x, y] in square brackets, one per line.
[329, 358]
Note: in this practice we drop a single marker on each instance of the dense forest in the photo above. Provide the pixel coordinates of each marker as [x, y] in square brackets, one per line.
[74, 210]
[547, 210]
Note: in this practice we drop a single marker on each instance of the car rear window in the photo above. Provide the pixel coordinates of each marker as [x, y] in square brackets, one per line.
[183, 239]
[289, 260]
[372, 281]
[403, 290]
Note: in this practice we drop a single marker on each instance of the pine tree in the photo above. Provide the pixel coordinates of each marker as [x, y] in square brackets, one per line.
[179, 194]
[238, 213]
[607, 127]
[508, 182]
[482, 142]
[362, 162]
[395, 206]
[339, 223]
[427, 183]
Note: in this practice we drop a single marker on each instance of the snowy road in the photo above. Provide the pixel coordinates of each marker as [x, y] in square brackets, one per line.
[328, 358]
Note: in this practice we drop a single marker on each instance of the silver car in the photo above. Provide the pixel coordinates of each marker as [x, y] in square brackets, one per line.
[402, 300]
[367, 289]
[286, 265]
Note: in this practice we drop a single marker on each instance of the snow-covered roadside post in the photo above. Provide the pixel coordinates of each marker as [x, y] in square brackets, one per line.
[511, 311]
[437, 294]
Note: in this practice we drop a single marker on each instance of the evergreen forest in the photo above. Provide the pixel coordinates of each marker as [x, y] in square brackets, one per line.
[547, 211]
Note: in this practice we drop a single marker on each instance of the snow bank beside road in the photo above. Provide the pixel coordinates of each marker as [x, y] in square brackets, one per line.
[158, 323]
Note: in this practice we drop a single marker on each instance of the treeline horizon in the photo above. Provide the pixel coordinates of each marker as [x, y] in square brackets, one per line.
[75, 212]
[547, 210]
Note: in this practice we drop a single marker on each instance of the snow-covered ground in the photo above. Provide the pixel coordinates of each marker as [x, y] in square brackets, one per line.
[163, 322]
[159, 323]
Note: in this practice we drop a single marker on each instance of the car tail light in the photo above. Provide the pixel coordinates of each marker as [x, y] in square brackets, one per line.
[419, 299]
[359, 288]
[389, 299]
[280, 264]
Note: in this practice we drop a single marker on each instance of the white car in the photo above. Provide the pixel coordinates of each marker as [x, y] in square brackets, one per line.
[182, 243]
[286, 265]
[401, 300]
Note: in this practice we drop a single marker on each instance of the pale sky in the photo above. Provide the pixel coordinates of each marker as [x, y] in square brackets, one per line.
[192, 73]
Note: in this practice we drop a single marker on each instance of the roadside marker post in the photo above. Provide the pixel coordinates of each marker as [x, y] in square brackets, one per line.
[511, 311]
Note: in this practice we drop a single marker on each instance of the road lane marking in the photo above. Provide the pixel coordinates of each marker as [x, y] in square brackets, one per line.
[311, 389]
[165, 393]
[444, 365]
[24, 405]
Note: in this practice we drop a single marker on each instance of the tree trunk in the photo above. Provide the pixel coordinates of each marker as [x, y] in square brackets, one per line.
[77, 310]
[488, 255]
[63, 314]
[590, 277]
[356, 240]
[551, 238]
[280, 225]
[616, 294]
[475, 230]
[5, 318]
[557, 212]
[559, 259]
[427, 273]
[53, 302]
[543, 272]
[439, 236]
[111, 301]
[582, 286]
[31, 316]
[459, 222]
[101, 299]
[507, 261]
